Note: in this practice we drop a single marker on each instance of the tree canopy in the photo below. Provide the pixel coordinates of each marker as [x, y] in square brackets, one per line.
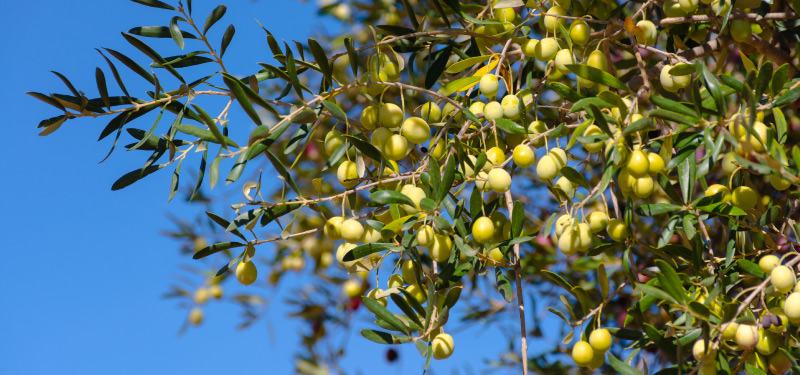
[631, 168]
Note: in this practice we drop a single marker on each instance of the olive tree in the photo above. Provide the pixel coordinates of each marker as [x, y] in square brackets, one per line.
[629, 166]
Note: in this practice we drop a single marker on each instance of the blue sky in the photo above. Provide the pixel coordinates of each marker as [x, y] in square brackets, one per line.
[85, 267]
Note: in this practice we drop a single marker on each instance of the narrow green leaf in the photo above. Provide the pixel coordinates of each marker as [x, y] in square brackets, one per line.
[213, 17]
[361, 251]
[382, 313]
[175, 32]
[621, 367]
[390, 197]
[509, 126]
[381, 337]
[212, 125]
[230, 31]
[241, 97]
[597, 75]
[155, 4]
[134, 175]
[158, 32]
[366, 148]
[215, 248]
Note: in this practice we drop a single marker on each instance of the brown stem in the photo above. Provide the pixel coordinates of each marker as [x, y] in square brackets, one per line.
[520, 299]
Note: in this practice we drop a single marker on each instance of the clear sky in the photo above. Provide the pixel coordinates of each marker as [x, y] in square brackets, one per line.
[85, 267]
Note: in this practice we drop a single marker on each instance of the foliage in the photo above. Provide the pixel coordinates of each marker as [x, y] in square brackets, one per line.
[651, 150]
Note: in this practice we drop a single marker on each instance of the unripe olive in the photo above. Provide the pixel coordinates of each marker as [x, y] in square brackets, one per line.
[593, 147]
[499, 180]
[510, 105]
[598, 358]
[369, 117]
[562, 223]
[201, 296]
[396, 147]
[535, 128]
[395, 280]
[333, 141]
[582, 353]
[746, 336]
[505, 14]
[246, 272]
[483, 229]
[729, 330]
[562, 59]
[566, 186]
[740, 30]
[638, 165]
[782, 279]
[352, 230]
[646, 32]
[673, 9]
[371, 235]
[767, 263]
[529, 47]
[488, 85]
[717, 189]
[767, 341]
[415, 130]
[390, 115]
[546, 49]
[374, 295]
[670, 82]
[699, 350]
[643, 187]
[495, 255]
[347, 174]
[417, 292]
[493, 111]
[617, 230]
[425, 235]
[442, 346]
[657, 164]
[729, 163]
[579, 32]
[744, 197]
[779, 183]
[688, 6]
[449, 110]
[791, 307]
[758, 136]
[482, 181]
[385, 68]
[216, 291]
[598, 220]
[352, 288]
[441, 247]
[597, 59]
[416, 194]
[600, 340]
[569, 241]
[196, 316]
[333, 228]
[408, 271]
[547, 168]
[494, 157]
[477, 108]
[560, 156]
[431, 112]
[379, 137]
[523, 156]
[551, 21]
